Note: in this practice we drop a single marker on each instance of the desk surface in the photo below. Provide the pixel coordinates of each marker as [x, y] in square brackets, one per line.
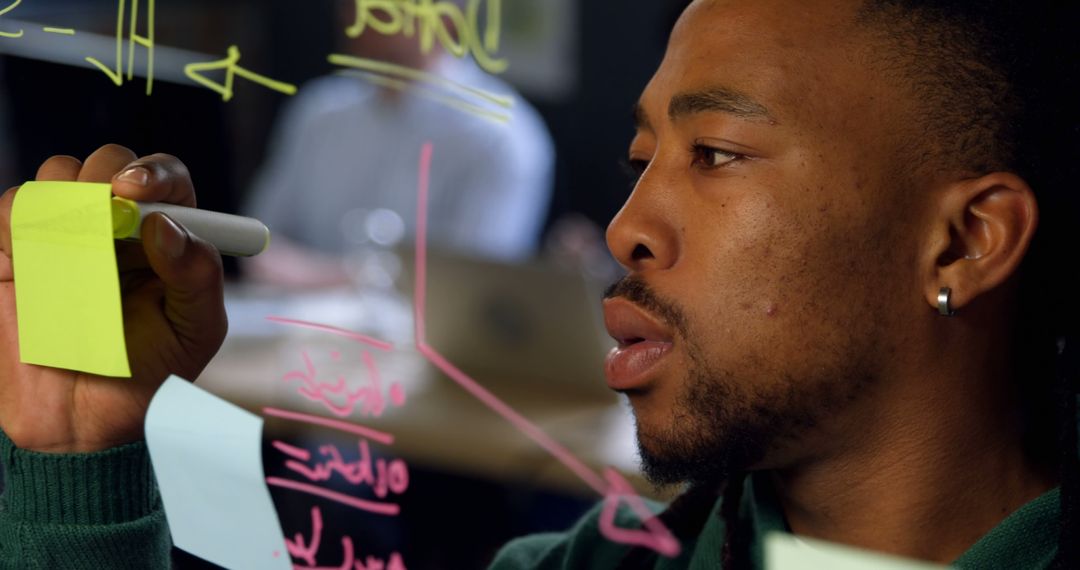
[440, 425]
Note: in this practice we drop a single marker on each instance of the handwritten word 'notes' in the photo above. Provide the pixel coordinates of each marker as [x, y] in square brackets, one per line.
[67, 289]
[784, 551]
[207, 455]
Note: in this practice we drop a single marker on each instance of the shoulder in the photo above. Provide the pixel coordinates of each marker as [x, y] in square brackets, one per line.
[525, 130]
[583, 546]
[534, 551]
[332, 91]
[327, 95]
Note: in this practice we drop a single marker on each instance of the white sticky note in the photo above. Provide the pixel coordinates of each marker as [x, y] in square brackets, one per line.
[207, 456]
[784, 551]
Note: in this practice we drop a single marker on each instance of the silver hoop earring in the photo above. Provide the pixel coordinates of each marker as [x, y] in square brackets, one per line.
[944, 297]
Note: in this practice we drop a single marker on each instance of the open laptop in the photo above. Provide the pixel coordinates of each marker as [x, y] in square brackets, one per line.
[534, 324]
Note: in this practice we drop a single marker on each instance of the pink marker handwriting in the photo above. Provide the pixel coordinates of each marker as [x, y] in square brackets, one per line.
[362, 339]
[376, 507]
[653, 534]
[306, 550]
[384, 477]
[365, 432]
[336, 395]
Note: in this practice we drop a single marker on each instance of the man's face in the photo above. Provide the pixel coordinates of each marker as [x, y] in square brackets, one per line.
[771, 241]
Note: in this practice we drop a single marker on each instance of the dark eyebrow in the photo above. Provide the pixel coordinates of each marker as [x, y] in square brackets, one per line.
[718, 100]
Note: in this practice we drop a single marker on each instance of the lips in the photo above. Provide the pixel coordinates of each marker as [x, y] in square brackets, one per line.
[643, 343]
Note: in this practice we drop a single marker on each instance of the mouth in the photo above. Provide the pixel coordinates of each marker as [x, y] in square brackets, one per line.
[643, 342]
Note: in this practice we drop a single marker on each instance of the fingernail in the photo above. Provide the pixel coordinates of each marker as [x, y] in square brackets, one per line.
[170, 238]
[137, 175]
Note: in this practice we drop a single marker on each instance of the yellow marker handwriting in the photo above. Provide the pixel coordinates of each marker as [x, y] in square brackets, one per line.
[391, 69]
[147, 41]
[456, 31]
[229, 65]
[452, 102]
[17, 34]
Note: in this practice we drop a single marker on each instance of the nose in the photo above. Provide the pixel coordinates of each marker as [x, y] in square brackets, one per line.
[643, 235]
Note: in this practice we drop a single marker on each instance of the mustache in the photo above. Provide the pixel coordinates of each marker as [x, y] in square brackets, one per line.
[636, 291]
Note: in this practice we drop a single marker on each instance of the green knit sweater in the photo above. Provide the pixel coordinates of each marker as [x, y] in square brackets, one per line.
[102, 511]
[1026, 539]
[93, 511]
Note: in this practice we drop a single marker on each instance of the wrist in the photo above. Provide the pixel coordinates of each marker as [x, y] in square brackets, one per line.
[105, 487]
[64, 441]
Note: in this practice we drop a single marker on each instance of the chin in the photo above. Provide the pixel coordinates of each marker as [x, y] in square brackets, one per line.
[674, 452]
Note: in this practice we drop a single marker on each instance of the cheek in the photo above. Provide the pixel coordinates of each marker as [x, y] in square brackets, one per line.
[756, 252]
[777, 285]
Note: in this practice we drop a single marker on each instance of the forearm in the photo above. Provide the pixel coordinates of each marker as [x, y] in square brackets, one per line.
[98, 510]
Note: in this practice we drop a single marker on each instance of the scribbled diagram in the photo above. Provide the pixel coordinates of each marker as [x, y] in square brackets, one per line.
[472, 32]
[386, 478]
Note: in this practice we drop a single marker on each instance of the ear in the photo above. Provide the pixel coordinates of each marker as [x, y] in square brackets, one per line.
[981, 231]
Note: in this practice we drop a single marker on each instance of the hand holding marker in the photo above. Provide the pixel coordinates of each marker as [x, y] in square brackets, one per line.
[231, 235]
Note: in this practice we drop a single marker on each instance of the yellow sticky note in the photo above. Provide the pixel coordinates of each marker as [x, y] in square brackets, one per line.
[67, 287]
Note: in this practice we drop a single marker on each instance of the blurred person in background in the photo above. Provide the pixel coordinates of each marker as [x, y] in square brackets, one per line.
[341, 175]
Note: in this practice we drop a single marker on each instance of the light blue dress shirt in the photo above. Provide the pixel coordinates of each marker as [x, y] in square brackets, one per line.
[343, 148]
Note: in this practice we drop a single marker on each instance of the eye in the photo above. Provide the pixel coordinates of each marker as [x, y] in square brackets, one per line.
[710, 158]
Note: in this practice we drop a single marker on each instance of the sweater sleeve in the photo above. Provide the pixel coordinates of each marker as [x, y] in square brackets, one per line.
[93, 510]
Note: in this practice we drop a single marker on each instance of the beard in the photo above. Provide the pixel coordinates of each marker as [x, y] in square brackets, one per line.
[724, 423]
[717, 430]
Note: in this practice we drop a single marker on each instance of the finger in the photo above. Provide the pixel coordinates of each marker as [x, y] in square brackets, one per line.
[191, 270]
[6, 200]
[62, 168]
[156, 178]
[104, 163]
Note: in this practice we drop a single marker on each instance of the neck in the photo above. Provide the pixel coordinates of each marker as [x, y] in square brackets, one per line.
[930, 471]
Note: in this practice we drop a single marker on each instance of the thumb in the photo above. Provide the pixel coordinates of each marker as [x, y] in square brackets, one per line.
[191, 270]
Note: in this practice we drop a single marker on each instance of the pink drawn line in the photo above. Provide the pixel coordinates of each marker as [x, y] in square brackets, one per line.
[420, 287]
[509, 414]
[471, 386]
[655, 535]
[372, 342]
[365, 432]
[292, 451]
[388, 509]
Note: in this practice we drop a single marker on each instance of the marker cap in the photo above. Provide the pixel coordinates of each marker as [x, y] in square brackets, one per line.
[231, 235]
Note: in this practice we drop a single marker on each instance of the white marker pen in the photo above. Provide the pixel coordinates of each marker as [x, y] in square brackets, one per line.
[231, 235]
